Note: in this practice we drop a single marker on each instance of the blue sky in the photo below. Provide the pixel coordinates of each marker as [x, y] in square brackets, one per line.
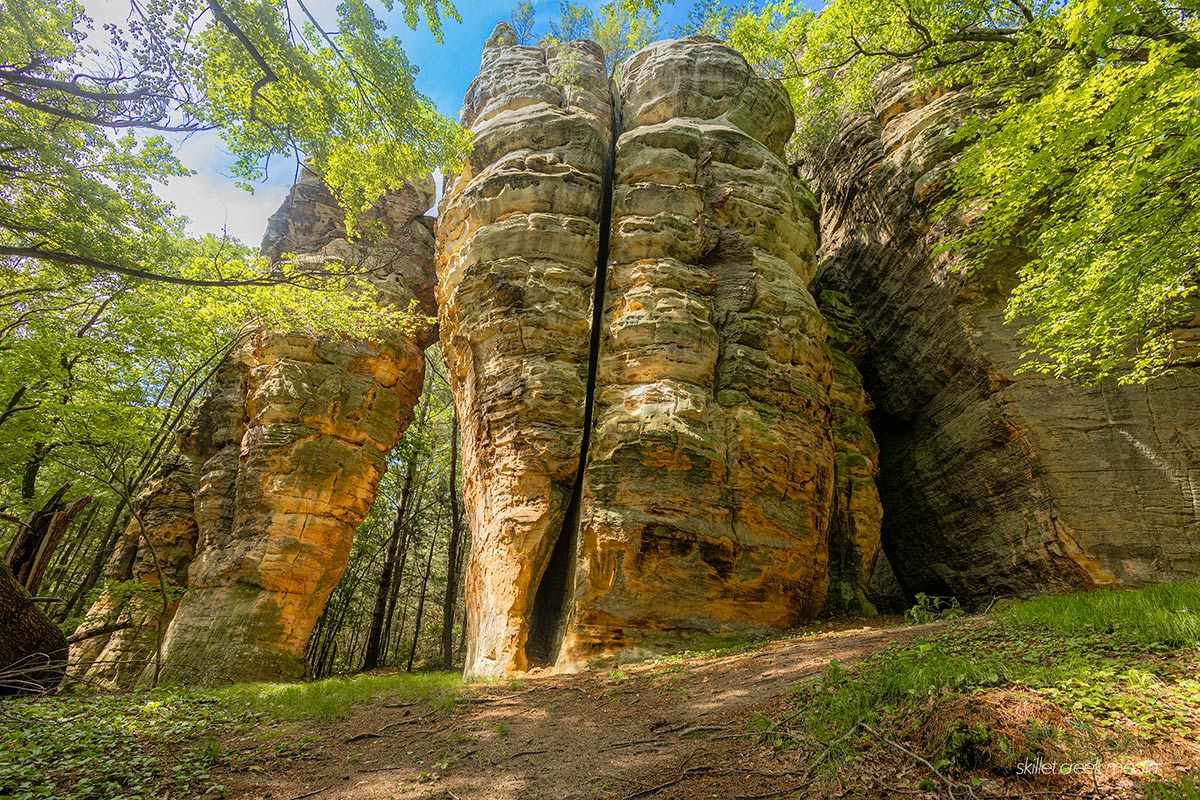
[212, 201]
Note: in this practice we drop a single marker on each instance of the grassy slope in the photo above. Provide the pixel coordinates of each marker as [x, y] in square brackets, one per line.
[1105, 677]
[163, 744]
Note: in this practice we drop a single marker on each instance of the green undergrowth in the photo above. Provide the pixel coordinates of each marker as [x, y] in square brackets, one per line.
[1092, 673]
[163, 744]
[334, 697]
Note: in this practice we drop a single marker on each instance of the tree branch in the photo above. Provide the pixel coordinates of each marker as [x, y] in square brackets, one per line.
[72, 259]
[89, 119]
[269, 75]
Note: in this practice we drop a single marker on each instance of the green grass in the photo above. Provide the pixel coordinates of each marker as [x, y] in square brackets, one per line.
[1179, 789]
[164, 743]
[1099, 655]
[334, 697]
[1166, 616]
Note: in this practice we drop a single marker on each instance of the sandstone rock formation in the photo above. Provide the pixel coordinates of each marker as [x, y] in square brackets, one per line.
[856, 560]
[519, 240]
[666, 440]
[640, 369]
[147, 571]
[258, 511]
[994, 482]
[707, 489]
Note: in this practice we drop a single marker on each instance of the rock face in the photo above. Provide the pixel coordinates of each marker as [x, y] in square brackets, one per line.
[148, 572]
[519, 239]
[994, 482]
[706, 493]
[280, 466]
[640, 369]
[857, 563]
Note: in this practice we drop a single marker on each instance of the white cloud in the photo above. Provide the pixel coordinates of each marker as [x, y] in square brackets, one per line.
[213, 202]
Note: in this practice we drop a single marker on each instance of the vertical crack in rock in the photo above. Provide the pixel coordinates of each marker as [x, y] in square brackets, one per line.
[645, 396]
[555, 591]
[707, 489]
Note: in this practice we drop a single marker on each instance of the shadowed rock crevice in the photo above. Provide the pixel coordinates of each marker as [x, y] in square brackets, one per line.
[555, 592]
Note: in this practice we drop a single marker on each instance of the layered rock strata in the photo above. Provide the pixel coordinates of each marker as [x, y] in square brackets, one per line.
[994, 481]
[279, 467]
[640, 369]
[145, 576]
[707, 489]
[519, 241]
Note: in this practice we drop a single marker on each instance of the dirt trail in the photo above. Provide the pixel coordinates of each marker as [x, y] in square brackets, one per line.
[666, 730]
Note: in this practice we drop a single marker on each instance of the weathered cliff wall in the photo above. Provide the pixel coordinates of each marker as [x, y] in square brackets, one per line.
[707, 489]
[256, 515]
[646, 391]
[993, 482]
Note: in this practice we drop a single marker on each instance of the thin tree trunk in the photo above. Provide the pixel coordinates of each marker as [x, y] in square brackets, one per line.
[462, 633]
[332, 620]
[395, 593]
[111, 532]
[402, 514]
[450, 600]
[29, 475]
[421, 602]
[379, 614]
[65, 568]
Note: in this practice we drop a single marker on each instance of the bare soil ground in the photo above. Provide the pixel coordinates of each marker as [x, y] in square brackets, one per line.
[684, 727]
[672, 729]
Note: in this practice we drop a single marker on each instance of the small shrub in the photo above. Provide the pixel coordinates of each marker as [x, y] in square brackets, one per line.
[931, 607]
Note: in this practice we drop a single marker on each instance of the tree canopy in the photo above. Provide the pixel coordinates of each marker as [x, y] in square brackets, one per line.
[112, 318]
[1089, 161]
[262, 72]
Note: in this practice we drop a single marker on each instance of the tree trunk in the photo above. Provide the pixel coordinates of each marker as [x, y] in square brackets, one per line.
[379, 614]
[29, 475]
[452, 558]
[421, 602]
[65, 569]
[33, 651]
[31, 549]
[112, 530]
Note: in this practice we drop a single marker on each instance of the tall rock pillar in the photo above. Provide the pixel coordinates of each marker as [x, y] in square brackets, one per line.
[638, 364]
[519, 237]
